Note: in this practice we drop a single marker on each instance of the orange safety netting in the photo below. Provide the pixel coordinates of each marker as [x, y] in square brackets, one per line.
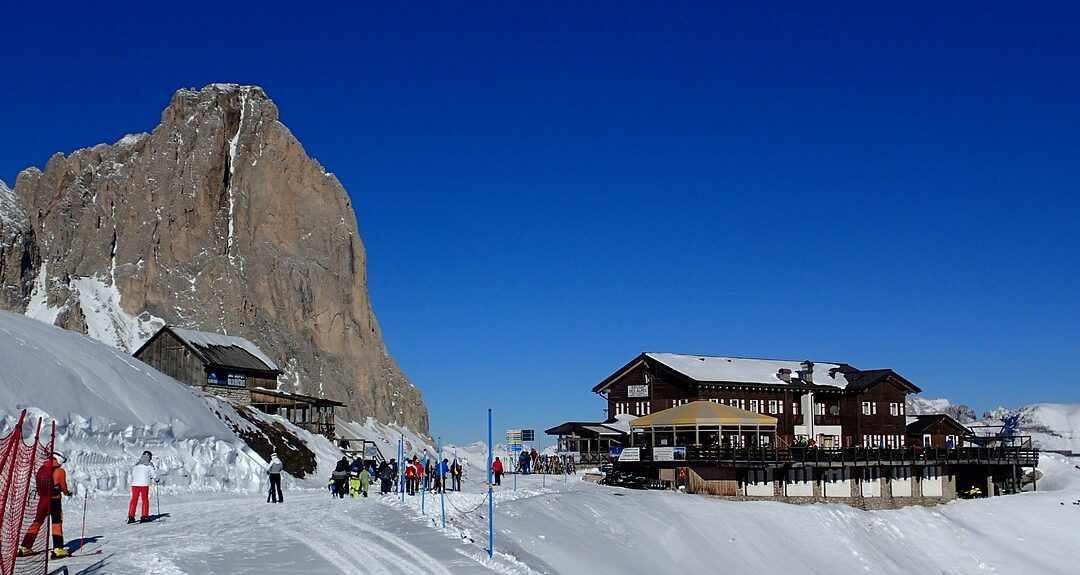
[20, 500]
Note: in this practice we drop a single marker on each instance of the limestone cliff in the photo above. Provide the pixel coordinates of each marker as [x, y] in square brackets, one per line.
[216, 220]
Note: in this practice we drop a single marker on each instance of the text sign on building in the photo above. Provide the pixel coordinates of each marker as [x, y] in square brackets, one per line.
[229, 380]
[630, 454]
[669, 454]
[637, 391]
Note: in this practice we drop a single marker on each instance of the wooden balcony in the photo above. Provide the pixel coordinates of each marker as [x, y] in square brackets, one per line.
[782, 456]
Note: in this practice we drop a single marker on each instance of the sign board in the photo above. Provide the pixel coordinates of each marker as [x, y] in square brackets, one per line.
[669, 454]
[528, 435]
[227, 380]
[513, 440]
[614, 452]
[637, 391]
[630, 454]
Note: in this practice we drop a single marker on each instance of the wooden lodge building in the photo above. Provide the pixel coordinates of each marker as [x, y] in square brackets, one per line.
[799, 431]
[236, 369]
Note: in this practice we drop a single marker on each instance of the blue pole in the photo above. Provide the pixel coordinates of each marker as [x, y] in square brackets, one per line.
[491, 497]
[442, 483]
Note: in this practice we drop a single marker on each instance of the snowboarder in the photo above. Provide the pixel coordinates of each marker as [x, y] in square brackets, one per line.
[497, 470]
[274, 471]
[51, 482]
[141, 475]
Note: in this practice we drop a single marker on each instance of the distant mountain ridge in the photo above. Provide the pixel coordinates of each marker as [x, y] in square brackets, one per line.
[925, 406]
[1051, 426]
[216, 220]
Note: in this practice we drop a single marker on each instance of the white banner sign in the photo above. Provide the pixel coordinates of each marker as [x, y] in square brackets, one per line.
[637, 391]
[630, 454]
[663, 454]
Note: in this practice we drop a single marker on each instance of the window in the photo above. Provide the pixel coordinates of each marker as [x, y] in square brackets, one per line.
[622, 408]
[866, 408]
[641, 408]
[819, 409]
[715, 400]
[678, 402]
[794, 408]
[894, 409]
[755, 405]
[772, 406]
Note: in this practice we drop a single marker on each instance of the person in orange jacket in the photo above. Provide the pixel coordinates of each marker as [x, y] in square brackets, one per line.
[51, 482]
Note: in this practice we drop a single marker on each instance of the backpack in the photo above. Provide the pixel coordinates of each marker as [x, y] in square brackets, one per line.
[44, 480]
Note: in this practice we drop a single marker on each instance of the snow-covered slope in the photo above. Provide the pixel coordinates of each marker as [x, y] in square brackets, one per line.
[109, 407]
[1051, 425]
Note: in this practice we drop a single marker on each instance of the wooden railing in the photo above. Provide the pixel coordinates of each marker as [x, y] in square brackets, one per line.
[841, 457]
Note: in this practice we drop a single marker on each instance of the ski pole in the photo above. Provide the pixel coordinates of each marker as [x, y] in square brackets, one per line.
[157, 496]
[82, 536]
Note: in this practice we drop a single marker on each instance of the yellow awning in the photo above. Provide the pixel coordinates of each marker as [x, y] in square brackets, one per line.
[702, 413]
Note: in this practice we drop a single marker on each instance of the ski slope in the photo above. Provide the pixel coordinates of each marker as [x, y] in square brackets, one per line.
[578, 527]
[109, 407]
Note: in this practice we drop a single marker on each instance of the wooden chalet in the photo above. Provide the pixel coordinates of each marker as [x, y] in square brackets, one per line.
[236, 369]
[938, 430]
[799, 431]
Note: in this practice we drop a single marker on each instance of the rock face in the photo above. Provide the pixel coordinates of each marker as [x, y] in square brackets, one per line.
[216, 220]
[18, 252]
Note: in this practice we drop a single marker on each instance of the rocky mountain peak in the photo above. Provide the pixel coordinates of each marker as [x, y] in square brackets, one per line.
[216, 220]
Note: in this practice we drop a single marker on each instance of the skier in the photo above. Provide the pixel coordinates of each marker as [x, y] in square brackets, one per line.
[365, 481]
[410, 479]
[497, 470]
[340, 476]
[354, 484]
[51, 480]
[418, 473]
[455, 474]
[141, 476]
[274, 471]
[386, 477]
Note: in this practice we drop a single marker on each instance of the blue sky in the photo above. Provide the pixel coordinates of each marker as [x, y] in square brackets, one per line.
[547, 191]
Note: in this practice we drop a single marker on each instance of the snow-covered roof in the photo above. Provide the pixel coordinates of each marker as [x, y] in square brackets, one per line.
[208, 340]
[746, 370]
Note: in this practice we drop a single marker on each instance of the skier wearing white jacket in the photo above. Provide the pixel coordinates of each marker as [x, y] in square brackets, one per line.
[274, 471]
[141, 476]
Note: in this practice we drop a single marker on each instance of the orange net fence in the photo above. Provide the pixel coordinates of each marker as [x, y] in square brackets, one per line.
[25, 486]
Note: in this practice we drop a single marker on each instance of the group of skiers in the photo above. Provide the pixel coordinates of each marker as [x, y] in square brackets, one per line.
[50, 480]
[354, 479]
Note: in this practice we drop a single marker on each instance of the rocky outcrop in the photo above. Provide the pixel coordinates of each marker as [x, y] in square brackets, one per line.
[216, 220]
[18, 252]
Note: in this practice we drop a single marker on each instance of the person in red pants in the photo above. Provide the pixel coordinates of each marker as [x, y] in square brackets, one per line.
[141, 476]
[51, 482]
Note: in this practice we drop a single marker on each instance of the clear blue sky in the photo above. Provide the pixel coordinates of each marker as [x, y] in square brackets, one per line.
[547, 191]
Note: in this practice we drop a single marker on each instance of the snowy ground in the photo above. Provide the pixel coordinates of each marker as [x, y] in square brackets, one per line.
[578, 527]
[109, 407]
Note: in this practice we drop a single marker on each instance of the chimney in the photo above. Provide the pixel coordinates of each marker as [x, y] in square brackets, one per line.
[784, 374]
[808, 371]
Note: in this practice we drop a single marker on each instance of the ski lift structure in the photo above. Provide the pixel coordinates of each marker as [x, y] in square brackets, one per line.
[366, 449]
